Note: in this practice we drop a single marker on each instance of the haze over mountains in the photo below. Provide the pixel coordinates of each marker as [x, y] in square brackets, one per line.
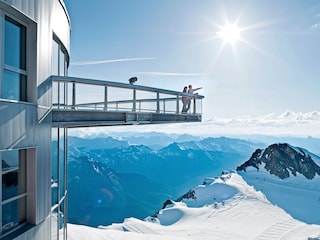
[116, 178]
[110, 173]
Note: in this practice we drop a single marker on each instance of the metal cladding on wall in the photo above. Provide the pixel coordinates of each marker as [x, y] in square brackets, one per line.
[27, 125]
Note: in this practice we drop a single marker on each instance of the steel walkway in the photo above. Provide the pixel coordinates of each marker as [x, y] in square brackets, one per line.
[79, 102]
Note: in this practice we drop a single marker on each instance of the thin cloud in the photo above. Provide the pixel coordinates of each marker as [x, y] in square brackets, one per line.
[110, 61]
[288, 118]
[169, 74]
[288, 123]
[315, 27]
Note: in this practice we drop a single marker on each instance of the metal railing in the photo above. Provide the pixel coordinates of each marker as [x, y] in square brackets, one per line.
[89, 94]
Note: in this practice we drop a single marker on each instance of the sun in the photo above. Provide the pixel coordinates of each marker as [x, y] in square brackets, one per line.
[229, 33]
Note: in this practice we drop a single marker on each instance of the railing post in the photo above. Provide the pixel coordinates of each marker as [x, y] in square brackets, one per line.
[194, 106]
[177, 110]
[158, 102]
[134, 108]
[73, 95]
[58, 94]
[65, 94]
[105, 107]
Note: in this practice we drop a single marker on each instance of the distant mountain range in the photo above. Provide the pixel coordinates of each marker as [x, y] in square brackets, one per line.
[158, 140]
[116, 178]
[98, 194]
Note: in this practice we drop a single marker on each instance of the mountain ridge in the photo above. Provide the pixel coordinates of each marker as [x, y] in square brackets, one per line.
[281, 159]
[281, 167]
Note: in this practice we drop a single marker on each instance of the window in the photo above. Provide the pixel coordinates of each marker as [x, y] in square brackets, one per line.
[59, 58]
[59, 68]
[59, 184]
[14, 190]
[14, 82]
[59, 147]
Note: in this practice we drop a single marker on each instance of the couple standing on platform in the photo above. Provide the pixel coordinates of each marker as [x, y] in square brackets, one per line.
[186, 101]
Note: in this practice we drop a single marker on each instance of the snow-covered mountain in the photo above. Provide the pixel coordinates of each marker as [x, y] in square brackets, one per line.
[221, 208]
[284, 202]
[283, 160]
[100, 168]
[289, 177]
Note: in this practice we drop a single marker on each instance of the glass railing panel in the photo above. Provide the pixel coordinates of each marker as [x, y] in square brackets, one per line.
[73, 93]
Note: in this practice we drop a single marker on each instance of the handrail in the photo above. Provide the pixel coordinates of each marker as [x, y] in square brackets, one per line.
[166, 101]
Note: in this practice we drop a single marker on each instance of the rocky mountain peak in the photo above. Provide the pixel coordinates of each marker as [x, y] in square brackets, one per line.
[282, 160]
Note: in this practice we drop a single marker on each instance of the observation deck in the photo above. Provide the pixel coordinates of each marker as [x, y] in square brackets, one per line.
[79, 102]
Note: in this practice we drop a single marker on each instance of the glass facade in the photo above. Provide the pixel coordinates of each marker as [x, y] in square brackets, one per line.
[14, 82]
[14, 190]
[59, 68]
[59, 184]
[15, 44]
[14, 194]
[59, 152]
[25, 59]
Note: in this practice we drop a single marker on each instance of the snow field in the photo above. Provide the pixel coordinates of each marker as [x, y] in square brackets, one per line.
[224, 208]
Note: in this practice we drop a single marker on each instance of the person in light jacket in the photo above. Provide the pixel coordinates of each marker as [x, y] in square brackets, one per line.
[184, 100]
[191, 91]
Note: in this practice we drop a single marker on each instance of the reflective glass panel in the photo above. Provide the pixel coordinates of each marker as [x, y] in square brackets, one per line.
[54, 161]
[13, 214]
[14, 86]
[10, 85]
[62, 164]
[61, 64]
[15, 44]
[13, 174]
[55, 58]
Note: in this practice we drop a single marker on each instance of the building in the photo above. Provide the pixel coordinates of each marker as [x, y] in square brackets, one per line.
[39, 102]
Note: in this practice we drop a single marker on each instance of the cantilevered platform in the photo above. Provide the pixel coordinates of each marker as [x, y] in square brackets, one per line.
[89, 103]
[87, 118]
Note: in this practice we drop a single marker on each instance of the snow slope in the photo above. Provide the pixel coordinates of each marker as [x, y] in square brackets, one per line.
[221, 208]
[298, 193]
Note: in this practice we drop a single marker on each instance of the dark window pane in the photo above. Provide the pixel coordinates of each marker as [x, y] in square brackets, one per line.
[13, 214]
[61, 164]
[13, 174]
[54, 162]
[54, 188]
[61, 63]
[23, 87]
[15, 44]
[55, 58]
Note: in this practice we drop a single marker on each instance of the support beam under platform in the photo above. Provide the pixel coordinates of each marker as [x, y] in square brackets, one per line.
[89, 118]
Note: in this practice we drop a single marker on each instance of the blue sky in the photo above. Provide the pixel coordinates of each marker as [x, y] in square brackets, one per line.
[273, 67]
